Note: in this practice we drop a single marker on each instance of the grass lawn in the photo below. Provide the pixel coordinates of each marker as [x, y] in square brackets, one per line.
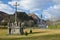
[38, 34]
[45, 37]
[54, 27]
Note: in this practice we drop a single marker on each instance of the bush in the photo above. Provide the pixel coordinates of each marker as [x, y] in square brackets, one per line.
[30, 31]
[26, 33]
[3, 23]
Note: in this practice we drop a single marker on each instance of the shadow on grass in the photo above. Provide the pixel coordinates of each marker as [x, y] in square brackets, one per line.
[38, 32]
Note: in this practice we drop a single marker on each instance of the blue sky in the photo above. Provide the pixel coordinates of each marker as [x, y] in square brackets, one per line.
[50, 9]
[5, 1]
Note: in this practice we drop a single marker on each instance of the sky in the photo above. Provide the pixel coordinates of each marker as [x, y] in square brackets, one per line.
[50, 9]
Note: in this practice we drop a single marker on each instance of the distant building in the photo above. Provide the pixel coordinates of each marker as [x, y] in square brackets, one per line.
[43, 24]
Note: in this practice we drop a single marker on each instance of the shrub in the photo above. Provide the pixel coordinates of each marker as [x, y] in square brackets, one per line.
[30, 31]
[26, 33]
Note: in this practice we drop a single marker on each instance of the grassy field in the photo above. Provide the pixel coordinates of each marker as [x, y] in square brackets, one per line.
[54, 27]
[38, 34]
[46, 37]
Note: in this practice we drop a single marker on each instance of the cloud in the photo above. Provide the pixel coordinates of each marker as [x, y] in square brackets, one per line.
[56, 1]
[0, 1]
[12, 2]
[50, 8]
[33, 4]
[52, 12]
[5, 8]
